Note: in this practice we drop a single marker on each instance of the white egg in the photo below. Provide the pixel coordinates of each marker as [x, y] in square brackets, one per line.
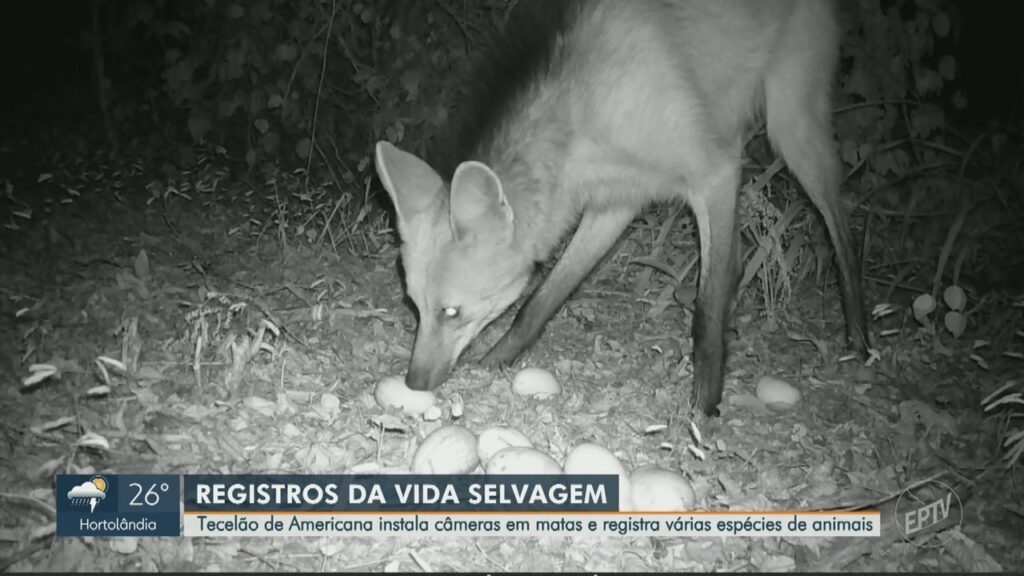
[391, 392]
[522, 460]
[535, 383]
[447, 450]
[777, 394]
[495, 439]
[589, 458]
[432, 414]
[657, 489]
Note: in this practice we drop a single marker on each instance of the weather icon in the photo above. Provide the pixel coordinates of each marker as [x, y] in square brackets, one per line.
[92, 492]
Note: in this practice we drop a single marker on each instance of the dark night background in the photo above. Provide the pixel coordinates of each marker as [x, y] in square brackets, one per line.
[41, 53]
[167, 230]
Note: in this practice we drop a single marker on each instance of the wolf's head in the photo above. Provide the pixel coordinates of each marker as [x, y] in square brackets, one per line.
[462, 269]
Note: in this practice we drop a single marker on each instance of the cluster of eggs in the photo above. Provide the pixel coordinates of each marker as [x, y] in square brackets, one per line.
[455, 449]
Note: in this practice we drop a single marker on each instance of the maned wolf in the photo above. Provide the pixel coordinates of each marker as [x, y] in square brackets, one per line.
[585, 112]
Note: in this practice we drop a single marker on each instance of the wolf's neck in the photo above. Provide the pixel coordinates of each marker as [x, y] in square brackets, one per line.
[530, 161]
[517, 122]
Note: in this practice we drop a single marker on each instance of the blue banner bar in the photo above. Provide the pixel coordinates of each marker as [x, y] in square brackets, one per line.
[401, 492]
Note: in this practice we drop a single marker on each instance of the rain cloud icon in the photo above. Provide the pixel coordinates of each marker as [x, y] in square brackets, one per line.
[92, 492]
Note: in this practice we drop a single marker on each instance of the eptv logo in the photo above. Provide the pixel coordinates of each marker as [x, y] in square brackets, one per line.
[924, 517]
[929, 509]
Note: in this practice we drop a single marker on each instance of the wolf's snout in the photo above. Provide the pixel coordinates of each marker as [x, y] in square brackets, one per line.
[426, 376]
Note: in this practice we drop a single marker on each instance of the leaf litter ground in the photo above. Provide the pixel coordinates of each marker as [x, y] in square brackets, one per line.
[247, 355]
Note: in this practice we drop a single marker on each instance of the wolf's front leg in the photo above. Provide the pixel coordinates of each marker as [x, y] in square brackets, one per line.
[596, 234]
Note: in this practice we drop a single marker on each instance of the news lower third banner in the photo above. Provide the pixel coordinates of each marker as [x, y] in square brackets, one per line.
[404, 504]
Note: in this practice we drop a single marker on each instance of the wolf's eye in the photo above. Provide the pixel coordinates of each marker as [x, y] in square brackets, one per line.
[450, 312]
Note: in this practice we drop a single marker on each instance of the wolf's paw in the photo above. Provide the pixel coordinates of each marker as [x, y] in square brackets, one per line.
[857, 341]
[502, 355]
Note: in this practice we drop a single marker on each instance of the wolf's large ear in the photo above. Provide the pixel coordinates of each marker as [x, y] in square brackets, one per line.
[414, 186]
[478, 204]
